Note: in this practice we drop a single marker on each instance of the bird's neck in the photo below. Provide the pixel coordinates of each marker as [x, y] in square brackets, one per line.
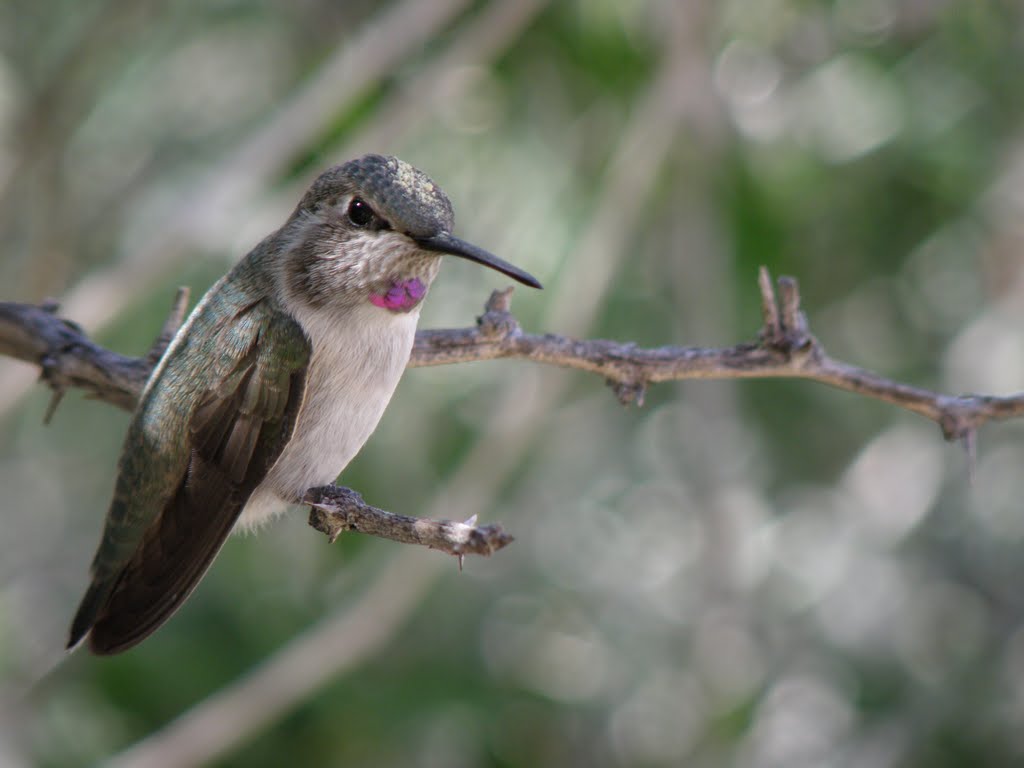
[385, 271]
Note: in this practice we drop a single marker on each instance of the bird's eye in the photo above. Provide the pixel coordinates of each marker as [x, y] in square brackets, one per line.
[360, 213]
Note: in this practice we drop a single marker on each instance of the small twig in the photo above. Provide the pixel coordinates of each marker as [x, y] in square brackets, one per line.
[497, 322]
[334, 510]
[792, 318]
[771, 330]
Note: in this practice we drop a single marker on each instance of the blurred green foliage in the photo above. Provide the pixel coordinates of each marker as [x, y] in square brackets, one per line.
[749, 574]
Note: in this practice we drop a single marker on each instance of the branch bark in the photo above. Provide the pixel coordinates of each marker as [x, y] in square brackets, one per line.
[785, 349]
[334, 510]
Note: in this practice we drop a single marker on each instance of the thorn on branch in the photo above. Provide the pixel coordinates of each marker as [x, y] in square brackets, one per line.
[463, 539]
[959, 420]
[72, 326]
[49, 373]
[461, 556]
[51, 408]
[179, 308]
[970, 444]
[497, 321]
[959, 417]
[628, 392]
[328, 523]
[500, 300]
[329, 514]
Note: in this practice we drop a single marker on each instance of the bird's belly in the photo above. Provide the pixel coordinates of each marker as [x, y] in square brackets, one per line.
[349, 384]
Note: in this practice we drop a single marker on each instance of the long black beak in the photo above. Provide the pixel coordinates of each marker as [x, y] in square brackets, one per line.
[446, 243]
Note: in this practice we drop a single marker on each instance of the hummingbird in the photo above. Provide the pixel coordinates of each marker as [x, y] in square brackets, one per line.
[271, 386]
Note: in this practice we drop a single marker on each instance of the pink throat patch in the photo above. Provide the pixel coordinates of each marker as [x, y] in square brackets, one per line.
[402, 296]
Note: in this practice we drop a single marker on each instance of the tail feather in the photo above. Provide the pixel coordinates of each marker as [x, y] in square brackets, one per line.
[120, 612]
[95, 598]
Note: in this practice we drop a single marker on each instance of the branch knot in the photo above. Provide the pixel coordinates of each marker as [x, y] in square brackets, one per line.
[959, 415]
[497, 322]
[629, 392]
[785, 329]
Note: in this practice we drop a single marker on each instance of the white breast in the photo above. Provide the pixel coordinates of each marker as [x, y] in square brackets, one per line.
[357, 362]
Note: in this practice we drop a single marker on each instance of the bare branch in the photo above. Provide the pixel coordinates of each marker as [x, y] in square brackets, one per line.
[334, 510]
[786, 349]
[67, 357]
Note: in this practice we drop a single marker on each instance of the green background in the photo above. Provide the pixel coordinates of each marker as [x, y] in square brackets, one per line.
[752, 574]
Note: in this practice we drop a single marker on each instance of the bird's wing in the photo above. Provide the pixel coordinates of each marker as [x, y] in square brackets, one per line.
[180, 490]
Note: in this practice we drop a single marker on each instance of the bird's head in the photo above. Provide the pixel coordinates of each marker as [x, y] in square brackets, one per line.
[374, 229]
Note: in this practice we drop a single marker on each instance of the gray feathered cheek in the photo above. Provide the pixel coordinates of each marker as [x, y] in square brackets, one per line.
[314, 267]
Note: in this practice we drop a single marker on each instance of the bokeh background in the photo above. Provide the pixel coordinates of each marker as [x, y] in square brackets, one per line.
[736, 574]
